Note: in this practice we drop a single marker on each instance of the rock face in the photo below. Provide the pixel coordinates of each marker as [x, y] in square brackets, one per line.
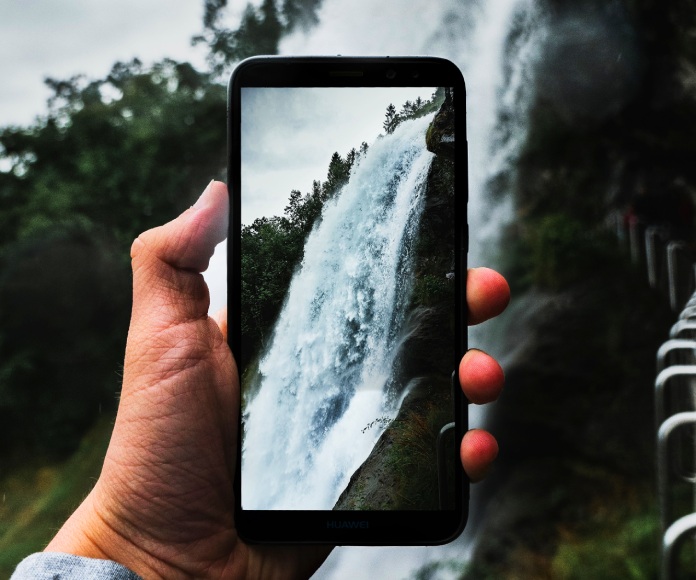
[440, 136]
[401, 471]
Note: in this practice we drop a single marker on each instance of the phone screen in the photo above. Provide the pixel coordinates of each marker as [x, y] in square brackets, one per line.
[349, 282]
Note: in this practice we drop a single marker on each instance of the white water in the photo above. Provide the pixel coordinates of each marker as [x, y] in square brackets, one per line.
[473, 34]
[325, 375]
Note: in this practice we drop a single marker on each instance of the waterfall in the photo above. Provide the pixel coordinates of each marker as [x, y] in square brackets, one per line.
[326, 372]
[494, 43]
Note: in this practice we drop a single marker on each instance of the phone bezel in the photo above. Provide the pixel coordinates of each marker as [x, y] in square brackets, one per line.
[361, 527]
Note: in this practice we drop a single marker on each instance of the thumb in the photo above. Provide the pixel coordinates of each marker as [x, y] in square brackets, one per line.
[168, 288]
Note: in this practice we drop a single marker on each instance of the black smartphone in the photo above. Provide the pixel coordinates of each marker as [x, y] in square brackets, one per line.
[347, 317]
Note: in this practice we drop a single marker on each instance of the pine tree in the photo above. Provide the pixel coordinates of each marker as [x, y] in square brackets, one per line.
[351, 157]
[337, 175]
[391, 119]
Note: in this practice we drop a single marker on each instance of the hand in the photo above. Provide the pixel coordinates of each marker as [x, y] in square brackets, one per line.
[163, 505]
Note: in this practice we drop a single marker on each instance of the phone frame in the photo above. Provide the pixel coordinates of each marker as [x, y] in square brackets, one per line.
[370, 528]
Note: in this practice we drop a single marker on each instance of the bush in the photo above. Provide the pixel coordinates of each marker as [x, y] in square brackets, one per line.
[562, 250]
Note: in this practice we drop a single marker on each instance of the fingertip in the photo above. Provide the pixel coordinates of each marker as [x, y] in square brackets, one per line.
[167, 260]
[220, 318]
[478, 451]
[136, 247]
[188, 241]
[212, 209]
[487, 294]
[481, 377]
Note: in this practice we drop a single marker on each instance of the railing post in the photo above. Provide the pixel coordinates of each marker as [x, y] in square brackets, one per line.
[620, 229]
[671, 541]
[442, 463]
[651, 254]
[633, 235]
[671, 346]
[688, 312]
[663, 379]
[673, 273]
[681, 326]
[663, 437]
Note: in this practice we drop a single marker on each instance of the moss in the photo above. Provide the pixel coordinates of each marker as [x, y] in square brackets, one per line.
[414, 454]
[431, 290]
[401, 471]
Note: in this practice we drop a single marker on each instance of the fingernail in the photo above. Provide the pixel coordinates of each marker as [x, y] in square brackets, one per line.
[201, 202]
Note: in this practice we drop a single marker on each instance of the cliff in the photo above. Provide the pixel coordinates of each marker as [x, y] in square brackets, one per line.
[401, 471]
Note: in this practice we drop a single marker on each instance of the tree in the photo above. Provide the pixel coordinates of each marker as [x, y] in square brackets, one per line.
[300, 14]
[112, 158]
[337, 176]
[259, 31]
[391, 119]
[351, 158]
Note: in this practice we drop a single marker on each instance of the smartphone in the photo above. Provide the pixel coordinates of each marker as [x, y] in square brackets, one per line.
[346, 278]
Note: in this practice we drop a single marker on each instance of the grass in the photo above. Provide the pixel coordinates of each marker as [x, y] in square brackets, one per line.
[625, 550]
[37, 498]
[619, 539]
[413, 454]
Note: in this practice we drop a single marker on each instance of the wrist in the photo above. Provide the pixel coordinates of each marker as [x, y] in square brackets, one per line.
[89, 534]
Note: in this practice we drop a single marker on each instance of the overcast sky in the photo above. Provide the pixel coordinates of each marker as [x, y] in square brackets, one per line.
[40, 38]
[289, 136]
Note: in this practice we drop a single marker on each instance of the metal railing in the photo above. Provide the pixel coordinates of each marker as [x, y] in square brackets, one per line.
[671, 269]
[669, 263]
[675, 414]
[442, 463]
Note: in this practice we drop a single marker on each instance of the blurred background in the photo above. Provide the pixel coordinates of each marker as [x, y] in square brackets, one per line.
[582, 136]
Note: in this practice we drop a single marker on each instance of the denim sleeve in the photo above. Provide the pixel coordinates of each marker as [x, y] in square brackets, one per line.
[57, 566]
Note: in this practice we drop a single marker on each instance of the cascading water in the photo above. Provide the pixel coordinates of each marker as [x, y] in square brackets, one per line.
[494, 44]
[327, 367]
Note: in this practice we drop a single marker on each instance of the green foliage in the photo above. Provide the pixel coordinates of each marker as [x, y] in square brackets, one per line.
[259, 32]
[272, 248]
[563, 250]
[122, 162]
[37, 498]
[411, 110]
[430, 290]
[270, 251]
[112, 158]
[626, 549]
[62, 338]
[439, 569]
[434, 256]
[339, 171]
[391, 119]
[413, 453]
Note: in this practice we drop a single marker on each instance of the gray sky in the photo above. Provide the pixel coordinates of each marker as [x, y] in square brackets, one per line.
[289, 136]
[40, 38]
